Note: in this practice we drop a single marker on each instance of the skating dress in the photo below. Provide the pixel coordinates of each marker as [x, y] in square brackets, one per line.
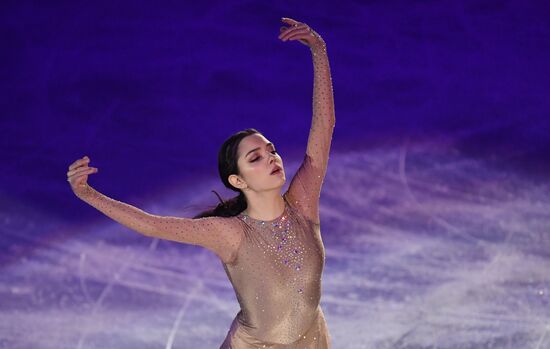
[276, 275]
[274, 266]
[276, 270]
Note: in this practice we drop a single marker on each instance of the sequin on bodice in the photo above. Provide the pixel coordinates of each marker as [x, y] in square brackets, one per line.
[277, 275]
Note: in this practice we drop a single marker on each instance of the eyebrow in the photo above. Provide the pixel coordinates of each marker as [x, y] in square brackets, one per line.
[268, 144]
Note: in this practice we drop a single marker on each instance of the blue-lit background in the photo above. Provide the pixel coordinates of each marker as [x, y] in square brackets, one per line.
[435, 211]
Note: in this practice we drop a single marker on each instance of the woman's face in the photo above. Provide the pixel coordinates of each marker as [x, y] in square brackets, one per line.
[257, 158]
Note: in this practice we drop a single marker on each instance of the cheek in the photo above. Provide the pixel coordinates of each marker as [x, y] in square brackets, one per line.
[256, 172]
[252, 170]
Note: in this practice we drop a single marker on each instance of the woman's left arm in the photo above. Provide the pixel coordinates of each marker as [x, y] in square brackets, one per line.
[305, 188]
[323, 118]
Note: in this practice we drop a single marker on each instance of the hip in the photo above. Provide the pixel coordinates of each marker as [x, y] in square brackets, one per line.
[316, 336]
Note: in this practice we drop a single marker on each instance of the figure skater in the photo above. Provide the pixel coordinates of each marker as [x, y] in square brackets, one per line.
[270, 245]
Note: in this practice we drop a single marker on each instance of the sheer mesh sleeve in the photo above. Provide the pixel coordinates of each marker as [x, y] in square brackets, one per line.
[222, 235]
[305, 188]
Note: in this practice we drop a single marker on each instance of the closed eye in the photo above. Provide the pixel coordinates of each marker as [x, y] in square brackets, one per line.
[273, 152]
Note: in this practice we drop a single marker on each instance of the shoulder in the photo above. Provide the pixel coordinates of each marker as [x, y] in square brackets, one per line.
[300, 208]
[230, 227]
[229, 235]
[222, 235]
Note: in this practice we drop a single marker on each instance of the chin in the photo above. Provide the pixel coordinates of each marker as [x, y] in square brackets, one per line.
[281, 178]
[280, 182]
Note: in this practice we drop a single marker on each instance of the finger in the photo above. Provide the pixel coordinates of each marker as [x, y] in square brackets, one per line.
[288, 32]
[91, 169]
[298, 36]
[80, 165]
[292, 26]
[302, 34]
[283, 30]
[297, 30]
[78, 169]
[79, 162]
[79, 178]
[80, 175]
[297, 25]
[289, 21]
[83, 170]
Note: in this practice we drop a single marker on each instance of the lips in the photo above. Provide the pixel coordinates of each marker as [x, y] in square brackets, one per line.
[275, 170]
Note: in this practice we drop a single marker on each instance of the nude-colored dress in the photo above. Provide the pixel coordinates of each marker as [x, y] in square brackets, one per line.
[276, 269]
[277, 280]
[275, 266]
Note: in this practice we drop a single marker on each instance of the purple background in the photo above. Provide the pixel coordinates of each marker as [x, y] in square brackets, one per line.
[150, 91]
[435, 205]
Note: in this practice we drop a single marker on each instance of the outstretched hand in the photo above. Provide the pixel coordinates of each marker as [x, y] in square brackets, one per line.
[78, 173]
[301, 32]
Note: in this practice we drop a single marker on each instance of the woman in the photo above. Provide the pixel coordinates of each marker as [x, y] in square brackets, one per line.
[270, 245]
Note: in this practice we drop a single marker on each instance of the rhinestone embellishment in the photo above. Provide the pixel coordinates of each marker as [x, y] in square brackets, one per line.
[287, 250]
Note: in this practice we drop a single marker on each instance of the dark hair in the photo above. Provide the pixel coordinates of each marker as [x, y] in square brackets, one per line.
[227, 165]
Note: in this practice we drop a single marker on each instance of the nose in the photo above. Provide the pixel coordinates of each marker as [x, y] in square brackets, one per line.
[271, 158]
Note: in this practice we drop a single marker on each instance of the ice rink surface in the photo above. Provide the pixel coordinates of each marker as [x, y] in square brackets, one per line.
[425, 249]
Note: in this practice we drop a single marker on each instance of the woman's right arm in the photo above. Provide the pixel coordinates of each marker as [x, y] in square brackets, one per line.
[219, 234]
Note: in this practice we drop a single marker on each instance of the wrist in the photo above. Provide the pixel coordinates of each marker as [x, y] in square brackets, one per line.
[319, 49]
[83, 191]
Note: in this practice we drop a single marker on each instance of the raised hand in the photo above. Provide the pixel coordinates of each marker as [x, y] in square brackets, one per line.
[78, 173]
[301, 32]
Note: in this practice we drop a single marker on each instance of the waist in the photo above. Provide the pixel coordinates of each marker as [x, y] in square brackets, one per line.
[279, 328]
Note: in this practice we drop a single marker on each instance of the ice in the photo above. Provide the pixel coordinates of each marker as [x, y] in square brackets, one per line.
[426, 248]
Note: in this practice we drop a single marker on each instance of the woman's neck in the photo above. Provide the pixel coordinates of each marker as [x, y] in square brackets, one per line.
[265, 207]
